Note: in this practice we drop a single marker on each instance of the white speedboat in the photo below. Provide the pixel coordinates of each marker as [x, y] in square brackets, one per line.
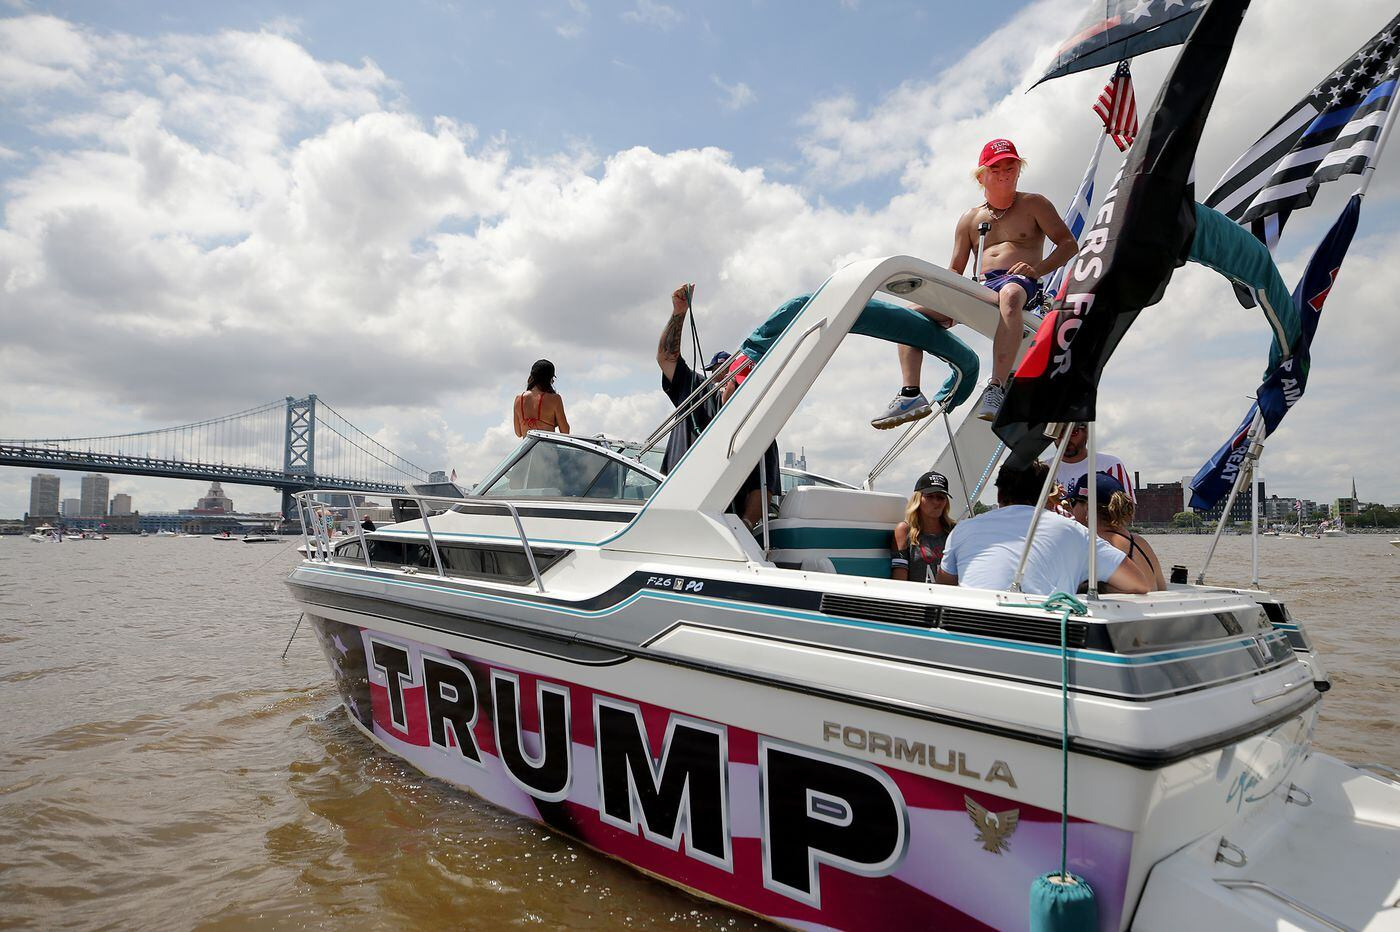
[45, 534]
[609, 652]
[164, 533]
[258, 538]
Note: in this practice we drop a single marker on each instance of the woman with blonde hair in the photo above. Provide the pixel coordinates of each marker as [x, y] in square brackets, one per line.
[919, 538]
[540, 407]
[1115, 516]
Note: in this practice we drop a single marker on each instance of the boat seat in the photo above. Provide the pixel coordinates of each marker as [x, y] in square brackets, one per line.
[824, 529]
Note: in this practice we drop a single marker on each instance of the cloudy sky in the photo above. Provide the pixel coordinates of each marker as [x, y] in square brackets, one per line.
[400, 206]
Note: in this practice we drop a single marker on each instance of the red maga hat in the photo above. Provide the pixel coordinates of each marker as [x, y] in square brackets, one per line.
[996, 150]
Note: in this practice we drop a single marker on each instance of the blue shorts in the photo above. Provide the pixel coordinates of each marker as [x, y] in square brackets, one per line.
[998, 279]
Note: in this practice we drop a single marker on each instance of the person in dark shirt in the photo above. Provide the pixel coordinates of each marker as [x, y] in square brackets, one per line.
[679, 381]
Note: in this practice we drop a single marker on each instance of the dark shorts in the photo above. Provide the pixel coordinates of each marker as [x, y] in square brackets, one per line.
[997, 279]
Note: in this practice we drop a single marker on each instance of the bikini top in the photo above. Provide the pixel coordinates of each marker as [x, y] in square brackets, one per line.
[536, 422]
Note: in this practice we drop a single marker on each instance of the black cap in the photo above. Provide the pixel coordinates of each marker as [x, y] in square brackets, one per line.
[932, 482]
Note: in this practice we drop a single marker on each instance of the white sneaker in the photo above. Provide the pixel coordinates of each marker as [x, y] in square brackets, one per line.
[990, 405]
[902, 410]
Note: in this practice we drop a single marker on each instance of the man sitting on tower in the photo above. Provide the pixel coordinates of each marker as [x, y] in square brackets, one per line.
[1012, 264]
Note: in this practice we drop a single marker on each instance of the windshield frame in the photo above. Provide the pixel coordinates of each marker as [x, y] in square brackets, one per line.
[599, 447]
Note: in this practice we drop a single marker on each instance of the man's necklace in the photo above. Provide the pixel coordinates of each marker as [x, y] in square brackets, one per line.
[998, 214]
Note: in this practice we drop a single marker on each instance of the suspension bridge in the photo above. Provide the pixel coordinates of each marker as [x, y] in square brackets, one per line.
[292, 444]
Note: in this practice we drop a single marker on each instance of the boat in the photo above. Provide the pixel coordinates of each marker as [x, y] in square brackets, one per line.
[1336, 528]
[45, 534]
[224, 535]
[605, 650]
[164, 533]
[257, 537]
[1395, 543]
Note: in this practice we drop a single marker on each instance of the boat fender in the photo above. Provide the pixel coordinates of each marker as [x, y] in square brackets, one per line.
[1061, 902]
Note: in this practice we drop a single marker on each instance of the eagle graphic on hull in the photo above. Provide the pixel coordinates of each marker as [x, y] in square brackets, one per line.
[993, 828]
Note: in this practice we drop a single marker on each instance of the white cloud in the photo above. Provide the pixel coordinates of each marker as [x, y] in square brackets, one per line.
[655, 14]
[571, 21]
[735, 96]
[41, 53]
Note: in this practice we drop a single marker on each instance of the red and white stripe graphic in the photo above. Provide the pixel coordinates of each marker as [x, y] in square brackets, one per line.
[1117, 107]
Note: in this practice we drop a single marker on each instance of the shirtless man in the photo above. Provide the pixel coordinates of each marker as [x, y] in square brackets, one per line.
[1012, 266]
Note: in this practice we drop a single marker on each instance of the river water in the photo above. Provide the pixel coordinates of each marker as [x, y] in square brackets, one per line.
[161, 764]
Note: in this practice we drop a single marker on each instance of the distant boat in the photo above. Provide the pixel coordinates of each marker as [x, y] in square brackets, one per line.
[225, 536]
[164, 533]
[45, 534]
[1395, 543]
[260, 536]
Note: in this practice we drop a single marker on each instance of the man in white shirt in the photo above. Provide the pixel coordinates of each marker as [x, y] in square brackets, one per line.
[983, 552]
[1076, 462]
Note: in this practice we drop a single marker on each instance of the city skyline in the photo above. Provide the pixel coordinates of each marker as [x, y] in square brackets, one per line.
[201, 498]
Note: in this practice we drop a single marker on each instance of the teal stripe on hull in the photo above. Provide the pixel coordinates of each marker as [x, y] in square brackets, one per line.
[875, 567]
[832, 538]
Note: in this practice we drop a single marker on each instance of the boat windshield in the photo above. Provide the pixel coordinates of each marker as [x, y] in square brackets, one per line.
[544, 469]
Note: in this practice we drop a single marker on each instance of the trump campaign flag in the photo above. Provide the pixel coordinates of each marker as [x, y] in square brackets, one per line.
[1284, 385]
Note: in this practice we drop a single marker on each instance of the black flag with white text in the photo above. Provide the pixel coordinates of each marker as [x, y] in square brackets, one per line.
[1142, 231]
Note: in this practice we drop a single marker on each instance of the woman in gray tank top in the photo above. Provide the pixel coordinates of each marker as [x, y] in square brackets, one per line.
[919, 538]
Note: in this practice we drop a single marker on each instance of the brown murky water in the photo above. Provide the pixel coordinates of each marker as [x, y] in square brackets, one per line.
[161, 765]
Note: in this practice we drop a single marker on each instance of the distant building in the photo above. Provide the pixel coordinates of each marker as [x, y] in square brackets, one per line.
[1157, 503]
[72, 507]
[96, 493]
[437, 475]
[1241, 511]
[121, 504]
[43, 496]
[1275, 508]
[796, 460]
[215, 502]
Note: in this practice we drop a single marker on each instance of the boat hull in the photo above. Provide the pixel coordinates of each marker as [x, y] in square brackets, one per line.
[670, 770]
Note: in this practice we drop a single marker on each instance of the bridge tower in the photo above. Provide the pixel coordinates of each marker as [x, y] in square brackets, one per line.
[299, 455]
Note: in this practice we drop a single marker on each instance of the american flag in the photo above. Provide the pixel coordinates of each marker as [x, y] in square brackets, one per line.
[1117, 108]
[1076, 215]
[1330, 133]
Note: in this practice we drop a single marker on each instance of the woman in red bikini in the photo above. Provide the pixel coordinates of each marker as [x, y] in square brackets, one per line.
[539, 407]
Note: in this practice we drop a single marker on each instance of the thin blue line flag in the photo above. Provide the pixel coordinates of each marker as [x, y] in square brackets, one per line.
[1284, 386]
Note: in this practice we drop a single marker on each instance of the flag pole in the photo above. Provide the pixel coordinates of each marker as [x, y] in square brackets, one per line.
[1093, 490]
[1254, 444]
[1370, 169]
[1040, 506]
[1254, 522]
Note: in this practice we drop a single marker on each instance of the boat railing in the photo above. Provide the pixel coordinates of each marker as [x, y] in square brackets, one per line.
[316, 516]
[711, 386]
